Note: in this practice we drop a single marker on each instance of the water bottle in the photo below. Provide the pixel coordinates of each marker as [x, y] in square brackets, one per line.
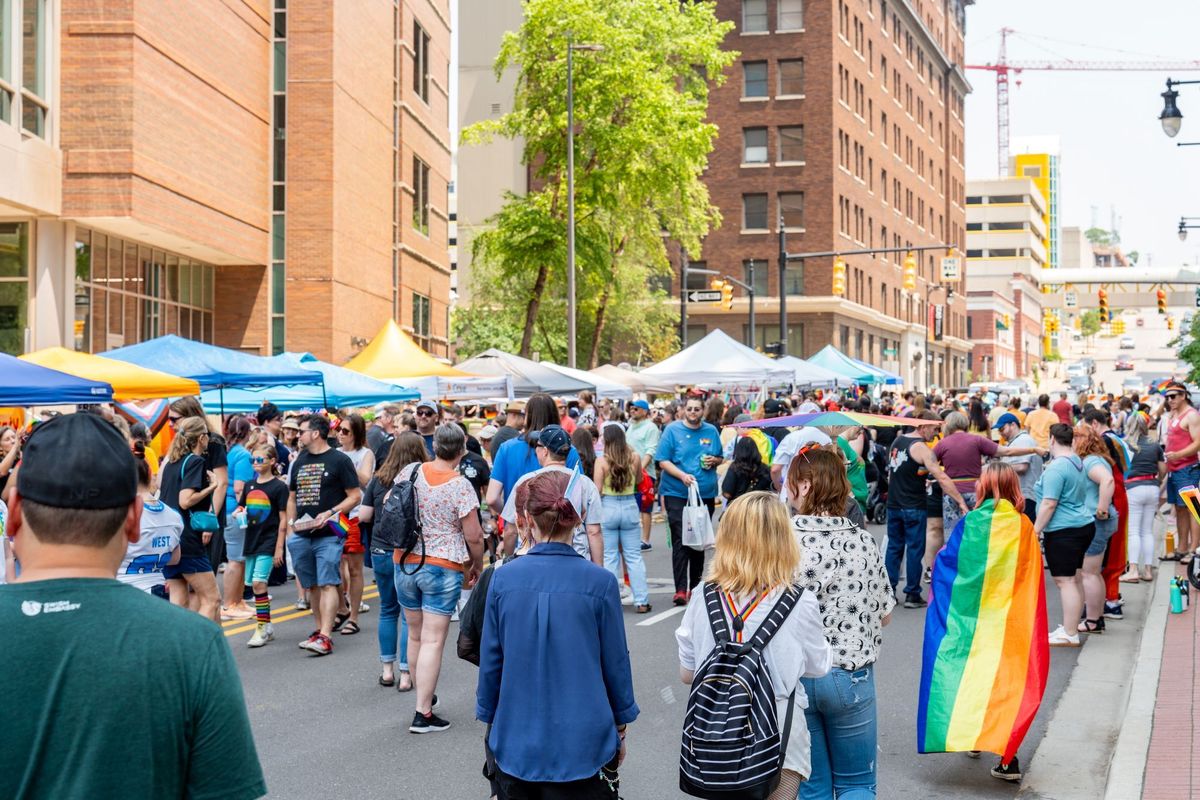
[1169, 542]
[1176, 597]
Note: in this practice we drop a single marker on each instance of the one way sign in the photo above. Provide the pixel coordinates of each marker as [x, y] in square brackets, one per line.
[704, 296]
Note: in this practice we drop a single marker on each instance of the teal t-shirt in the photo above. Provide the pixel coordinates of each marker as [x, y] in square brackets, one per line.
[113, 692]
[1093, 489]
[683, 447]
[1066, 481]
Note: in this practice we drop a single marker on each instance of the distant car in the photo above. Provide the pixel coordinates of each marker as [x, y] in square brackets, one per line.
[1141, 322]
[1076, 369]
[1133, 383]
[1127, 343]
[1123, 363]
[1080, 383]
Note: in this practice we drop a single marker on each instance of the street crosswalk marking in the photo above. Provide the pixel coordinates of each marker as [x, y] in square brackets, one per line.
[660, 616]
[236, 626]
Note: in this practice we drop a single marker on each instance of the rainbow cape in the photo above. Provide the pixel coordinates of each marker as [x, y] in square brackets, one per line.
[986, 654]
[340, 525]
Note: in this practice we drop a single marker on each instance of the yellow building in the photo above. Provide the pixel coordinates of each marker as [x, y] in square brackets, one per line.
[1042, 169]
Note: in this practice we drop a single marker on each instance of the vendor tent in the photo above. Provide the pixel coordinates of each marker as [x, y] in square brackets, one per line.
[528, 377]
[813, 376]
[634, 380]
[210, 366]
[719, 361]
[604, 386]
[831, 358]
[28, 384]
[393, 357]
[343, 388]
[128, 381]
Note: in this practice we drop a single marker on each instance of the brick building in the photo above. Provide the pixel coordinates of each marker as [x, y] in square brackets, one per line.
[242, 173]
[842, 122]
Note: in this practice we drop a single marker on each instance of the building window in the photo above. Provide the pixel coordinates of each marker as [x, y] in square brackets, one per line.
[791, 143]
[34, 38]
[420, 214]
[754, 149]
[754, 212]
[14, 286]
[791, 77]
[754, 77]
[7, 90]
[754, 16]
[791, 15]
[420, 62]
[420, 323]
[791, 210]
[697, 280]
[793, 279]
[756, 276]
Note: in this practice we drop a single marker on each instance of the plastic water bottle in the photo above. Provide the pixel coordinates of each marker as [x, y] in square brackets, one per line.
[1176, 597]
[1169, 542]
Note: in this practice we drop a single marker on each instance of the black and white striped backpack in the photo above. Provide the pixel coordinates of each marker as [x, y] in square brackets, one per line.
[732, 743]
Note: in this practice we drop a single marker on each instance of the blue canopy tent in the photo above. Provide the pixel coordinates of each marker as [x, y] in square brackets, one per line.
[831, 358]
[888, 377]
[27, 384]
[342, 388]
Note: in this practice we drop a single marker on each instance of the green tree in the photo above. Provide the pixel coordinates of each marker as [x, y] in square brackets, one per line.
[1102, 237]
[1190, 351]
[1089, 323]
[642, 143]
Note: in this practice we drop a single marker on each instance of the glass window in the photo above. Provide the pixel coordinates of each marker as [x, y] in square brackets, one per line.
[171, 292]
[14, 249]
[755, 146]
[791, 209]
[277, 335]
[278, 237]
[761, 272]
[754, 212]
[280, 84]
[131, 282]
[185, 282]
[791, 76]
[33, 66]
[791, 15]
[793, 279]
[278, 288]
[791, 143]
[420, 62]
[14, 308]
[754, 16]
[420, 311]
[754, 75]
[280, 25]
[420, 212]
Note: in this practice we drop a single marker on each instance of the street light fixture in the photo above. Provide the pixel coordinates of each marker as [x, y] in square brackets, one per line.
[571, 48]
[1184, 227]
[1171, 117]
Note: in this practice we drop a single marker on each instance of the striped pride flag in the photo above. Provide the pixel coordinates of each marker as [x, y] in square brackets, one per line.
[340, 525]
[986, 653]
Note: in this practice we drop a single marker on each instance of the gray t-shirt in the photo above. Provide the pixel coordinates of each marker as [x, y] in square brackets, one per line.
[1146, 460]
[1029, 478]
[581, 492]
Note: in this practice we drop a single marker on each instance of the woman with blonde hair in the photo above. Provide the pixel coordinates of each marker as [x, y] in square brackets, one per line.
[1145, 488]
[187, 487]
[755, 564]
[842, 568]
[1090, 447]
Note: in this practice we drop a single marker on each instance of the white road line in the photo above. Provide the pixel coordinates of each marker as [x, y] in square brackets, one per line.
[659, 617]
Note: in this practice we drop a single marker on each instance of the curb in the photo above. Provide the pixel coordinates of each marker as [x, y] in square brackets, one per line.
[1127, 770]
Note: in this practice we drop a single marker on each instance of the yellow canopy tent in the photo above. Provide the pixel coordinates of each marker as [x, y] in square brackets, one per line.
[129, 381]
[393, 354]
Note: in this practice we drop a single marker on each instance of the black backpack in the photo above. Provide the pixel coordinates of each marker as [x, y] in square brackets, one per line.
[732, 742]
[400, 520]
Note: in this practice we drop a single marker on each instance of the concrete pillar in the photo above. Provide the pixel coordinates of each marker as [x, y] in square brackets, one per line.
[54, 285]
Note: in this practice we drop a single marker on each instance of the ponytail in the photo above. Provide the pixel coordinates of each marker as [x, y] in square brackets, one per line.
[552, 511]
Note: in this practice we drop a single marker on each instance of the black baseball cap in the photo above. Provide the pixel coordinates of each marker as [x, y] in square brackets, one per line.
[555, 439]
[773, 407]
[77, 461]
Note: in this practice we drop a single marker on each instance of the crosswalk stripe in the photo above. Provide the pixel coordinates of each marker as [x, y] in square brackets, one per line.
[280, 615]
[659, 617]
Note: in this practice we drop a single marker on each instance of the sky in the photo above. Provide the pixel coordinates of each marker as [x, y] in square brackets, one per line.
[1115, 156]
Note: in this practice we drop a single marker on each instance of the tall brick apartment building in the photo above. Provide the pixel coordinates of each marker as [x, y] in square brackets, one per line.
[842, 120]
[261, 174]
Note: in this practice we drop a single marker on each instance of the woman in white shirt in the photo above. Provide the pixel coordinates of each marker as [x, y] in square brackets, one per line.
[841, 567]
[755, 562]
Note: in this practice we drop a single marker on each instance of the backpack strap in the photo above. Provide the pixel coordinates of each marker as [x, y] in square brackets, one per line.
[770, 626]
[716, 613]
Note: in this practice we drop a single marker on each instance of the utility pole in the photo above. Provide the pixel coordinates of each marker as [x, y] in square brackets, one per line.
[683, 301]
[783, 261]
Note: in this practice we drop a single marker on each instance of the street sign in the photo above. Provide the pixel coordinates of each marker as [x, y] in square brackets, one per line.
[951, 269]
[1071, 300]
[889, 351]
[704, 296]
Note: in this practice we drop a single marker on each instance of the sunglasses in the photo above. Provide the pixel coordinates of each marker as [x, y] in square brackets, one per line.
[173, 419]
[424, 412]
[344, 430]
[1172, 395]
[258, 460]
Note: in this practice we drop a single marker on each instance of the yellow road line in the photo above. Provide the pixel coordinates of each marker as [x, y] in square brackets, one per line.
[278, 615]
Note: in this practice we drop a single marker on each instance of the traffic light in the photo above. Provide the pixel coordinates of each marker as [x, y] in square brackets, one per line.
[1104, 313]
[839, 276]
[910, 273]
[774, 349]
[1051, 324]
[1119, 326]
[1162, 301]
[726, 295]
[1170, 323]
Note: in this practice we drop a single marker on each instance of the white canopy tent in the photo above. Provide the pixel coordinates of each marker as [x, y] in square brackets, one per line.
[814, 376]
[634, 380]
[604, 386]
[718, 361]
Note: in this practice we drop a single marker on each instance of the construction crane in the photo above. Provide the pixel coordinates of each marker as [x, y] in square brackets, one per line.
[1003, 67]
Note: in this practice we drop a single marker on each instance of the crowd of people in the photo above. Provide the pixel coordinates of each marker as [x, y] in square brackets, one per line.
[546, 512]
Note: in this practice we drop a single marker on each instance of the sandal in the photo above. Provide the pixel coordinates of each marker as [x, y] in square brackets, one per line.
[399, 686]
[1091, 626]
[387, 682]
[642, 609]
[339, 621]
[1185, 558]
[349, 628]
[1170, 556]
[1131, 577]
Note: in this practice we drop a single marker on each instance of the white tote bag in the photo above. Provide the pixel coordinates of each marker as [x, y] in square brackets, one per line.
[697, 522]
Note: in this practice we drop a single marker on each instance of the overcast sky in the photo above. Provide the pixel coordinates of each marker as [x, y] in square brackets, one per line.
[1114, 153]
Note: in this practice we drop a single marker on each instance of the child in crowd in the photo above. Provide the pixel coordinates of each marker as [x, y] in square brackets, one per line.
[264, 506]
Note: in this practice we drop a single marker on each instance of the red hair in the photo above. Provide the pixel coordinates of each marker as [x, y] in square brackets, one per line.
[1001, 482]
[553, 514]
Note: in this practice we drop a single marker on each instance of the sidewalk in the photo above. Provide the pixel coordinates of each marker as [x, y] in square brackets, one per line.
[1173, 760]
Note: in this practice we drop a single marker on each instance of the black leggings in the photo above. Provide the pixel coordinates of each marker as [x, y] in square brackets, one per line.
[687, 563]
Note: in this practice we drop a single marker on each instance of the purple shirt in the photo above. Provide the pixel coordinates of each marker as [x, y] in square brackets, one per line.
[961, 455]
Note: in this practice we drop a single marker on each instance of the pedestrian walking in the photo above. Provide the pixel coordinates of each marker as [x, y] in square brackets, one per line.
[352, 440]
[187, 487]
[643, 436]
[840, 565]
[216, 462]
[158, 682]
[1038, 421]
[518, 457]
[688, 453]
[617, 473]
[1145, 487]
[157, 545]
[237, 457]
[263, 506]
[1090, 447]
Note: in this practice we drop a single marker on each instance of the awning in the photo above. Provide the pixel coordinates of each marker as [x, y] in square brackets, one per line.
[831, 358]
[720, 362]
[528, 377]
[210, 366]
[604, 386]
[28, 384]
[393, 354]
[343, 388]
[128, 381]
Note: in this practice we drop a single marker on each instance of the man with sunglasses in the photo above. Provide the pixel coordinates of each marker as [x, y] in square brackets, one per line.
[427, 415]
[1181, 443]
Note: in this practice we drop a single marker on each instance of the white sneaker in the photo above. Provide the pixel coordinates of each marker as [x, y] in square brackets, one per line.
[1060, 638]
[263, 633]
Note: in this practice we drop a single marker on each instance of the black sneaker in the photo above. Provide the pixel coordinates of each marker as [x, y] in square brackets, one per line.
[928, 578]
[1113, 611]
[427, 723]
[1008, 772]
[914, 601]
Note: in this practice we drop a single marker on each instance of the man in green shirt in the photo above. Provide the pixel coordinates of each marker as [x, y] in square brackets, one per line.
[109, 691]
[643, 437]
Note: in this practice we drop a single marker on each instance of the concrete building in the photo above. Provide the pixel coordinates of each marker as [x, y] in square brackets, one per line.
[242, 174]
[842, 123]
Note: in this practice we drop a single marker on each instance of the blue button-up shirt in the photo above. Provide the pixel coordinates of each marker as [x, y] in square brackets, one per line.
[554, 674]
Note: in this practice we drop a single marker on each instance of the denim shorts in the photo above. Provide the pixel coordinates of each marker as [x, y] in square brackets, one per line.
[1181, 479]
[432, 589]
[188, 565]
[258, 569]
[1105, 528]
[316, 559]
[235, 539]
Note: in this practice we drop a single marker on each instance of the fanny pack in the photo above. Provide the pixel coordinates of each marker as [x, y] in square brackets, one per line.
[200, 521]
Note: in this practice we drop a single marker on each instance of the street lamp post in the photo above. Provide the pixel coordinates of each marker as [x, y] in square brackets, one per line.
[571, 48]
[1171, 117]
[1184, 227]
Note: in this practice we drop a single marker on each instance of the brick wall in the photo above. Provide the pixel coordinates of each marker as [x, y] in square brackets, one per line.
[242, 304]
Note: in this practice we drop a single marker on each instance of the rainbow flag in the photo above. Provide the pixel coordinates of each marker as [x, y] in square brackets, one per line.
[1191, 498]
[340, 525]
[986, 653]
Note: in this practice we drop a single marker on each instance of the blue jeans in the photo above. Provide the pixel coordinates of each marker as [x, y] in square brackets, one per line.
[431, 589]
[623, 534]
[905, 530]
[390, 648]
[842, 725]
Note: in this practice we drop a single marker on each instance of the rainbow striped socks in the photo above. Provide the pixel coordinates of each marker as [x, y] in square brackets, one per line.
[262, 608]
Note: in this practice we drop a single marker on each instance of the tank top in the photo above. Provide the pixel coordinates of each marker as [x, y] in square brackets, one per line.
[1177, 439]
[906, 484]
[608, 490]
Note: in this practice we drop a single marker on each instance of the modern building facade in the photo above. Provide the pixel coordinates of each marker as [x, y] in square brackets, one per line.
[238, 173]
[842, 124]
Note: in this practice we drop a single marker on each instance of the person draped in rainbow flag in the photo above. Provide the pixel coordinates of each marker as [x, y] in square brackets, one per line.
[986, 655]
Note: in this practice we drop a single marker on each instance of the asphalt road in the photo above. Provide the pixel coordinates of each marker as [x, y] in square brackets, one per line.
[325, 728]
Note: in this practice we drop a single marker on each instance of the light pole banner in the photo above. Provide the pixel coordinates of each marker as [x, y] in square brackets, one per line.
[936, 322]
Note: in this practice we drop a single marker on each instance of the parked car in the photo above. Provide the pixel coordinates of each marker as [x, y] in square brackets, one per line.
[1127, 343]
[1076, 369]
[1123, 363]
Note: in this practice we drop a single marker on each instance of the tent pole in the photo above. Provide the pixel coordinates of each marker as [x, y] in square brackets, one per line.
[221, 391]
[324, 397]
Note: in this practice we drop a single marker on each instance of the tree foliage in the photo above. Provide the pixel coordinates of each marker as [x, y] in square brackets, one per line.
[1190, 351]
[1102, 237]
[641, 145]
[1089, 323]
